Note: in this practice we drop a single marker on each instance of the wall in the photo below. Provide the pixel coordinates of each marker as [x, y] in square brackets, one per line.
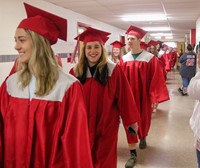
[12, 12]
[10, 8]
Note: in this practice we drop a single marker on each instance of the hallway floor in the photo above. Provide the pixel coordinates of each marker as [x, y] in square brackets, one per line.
[170, 140]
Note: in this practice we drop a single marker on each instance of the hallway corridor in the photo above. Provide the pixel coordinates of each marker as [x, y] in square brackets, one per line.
[170, 140]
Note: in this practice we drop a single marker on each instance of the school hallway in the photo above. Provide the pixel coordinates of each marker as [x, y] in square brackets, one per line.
[170, 143]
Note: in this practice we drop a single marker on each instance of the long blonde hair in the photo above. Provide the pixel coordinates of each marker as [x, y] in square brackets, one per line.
[42, 64]
[101, 70]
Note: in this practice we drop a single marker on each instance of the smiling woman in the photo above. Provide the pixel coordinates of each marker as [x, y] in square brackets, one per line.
[107, 95]
[38, 102]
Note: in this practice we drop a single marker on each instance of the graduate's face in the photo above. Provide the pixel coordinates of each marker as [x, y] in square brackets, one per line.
[158, 46]
[152, 49]
[23, 44]
[116, 51]
[93, 52]
[133, 41]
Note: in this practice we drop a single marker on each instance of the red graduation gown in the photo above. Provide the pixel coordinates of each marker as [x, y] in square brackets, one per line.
[172, 58]
[105, 105]
[49, 131]
[147, 83]
[167, 62]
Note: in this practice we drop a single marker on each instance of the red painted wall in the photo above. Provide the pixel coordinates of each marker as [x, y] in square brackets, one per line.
[192, 36]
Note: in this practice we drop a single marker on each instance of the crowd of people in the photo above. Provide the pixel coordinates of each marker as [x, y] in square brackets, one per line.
[49, 118]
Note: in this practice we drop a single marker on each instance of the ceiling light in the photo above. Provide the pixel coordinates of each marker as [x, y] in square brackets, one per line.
[169, 37]
[156, 28]
[146, 17]
[157, 37]
[163, 37]
[160, 34]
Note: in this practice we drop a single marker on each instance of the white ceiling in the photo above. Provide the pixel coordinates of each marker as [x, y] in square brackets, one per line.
[182, 14]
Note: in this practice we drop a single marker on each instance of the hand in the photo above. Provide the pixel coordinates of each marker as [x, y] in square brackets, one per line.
[154, 105]
[133, 128]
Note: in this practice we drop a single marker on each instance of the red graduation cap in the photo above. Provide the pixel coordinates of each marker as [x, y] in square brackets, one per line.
[164, 45]
[105, 39]
[143, 45]
[117, 44]
[136, 31]
[91, 34]
[45, 24]
[152, 43]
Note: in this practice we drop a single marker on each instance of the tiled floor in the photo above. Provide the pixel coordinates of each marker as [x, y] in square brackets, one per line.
[170, 140]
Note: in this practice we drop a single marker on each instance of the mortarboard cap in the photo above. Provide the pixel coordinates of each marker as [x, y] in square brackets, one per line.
[45, 24]
[105, 39]
[143, 45]
[164, 45]
[152, 43]
[91, 34]
[117, 44]
[132, 30]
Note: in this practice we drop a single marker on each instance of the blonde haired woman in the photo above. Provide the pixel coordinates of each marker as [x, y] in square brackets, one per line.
[43, 115]
[108, 97]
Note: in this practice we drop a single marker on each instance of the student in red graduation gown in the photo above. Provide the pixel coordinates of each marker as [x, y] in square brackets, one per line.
[108, 97]
[144, 74]
[116, 51]
[152, 47]
[163, 57]
[42, 109]
[172, 57]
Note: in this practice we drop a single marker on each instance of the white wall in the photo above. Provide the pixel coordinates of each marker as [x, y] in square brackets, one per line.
[12, 12]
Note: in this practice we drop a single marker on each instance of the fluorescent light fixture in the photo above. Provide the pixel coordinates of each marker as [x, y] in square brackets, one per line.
[165, 37]
[80, 30]
[144, 17]
[156, 28]
[171, 44]
[157, 37]
[169, 37]
[160, 34]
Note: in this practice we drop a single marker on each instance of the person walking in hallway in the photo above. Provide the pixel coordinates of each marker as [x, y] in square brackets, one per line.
[108, 97]
[43, 118]
[187, 69]
[116, 51]
[148, 86]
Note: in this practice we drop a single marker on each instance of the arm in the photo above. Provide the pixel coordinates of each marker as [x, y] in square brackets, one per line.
[127, 106]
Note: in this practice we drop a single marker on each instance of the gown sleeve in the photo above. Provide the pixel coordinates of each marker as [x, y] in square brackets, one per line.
[4, 98]
[127, 106]
[75, 138]
[158, 89]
